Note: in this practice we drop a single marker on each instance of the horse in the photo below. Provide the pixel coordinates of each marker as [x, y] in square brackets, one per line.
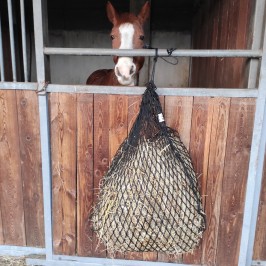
[127, 33]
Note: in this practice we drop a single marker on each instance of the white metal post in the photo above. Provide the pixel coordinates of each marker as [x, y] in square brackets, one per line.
[255, 170]
[40, 33]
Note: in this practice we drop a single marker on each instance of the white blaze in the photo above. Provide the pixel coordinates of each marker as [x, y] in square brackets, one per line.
[126, 32]
[125, 68]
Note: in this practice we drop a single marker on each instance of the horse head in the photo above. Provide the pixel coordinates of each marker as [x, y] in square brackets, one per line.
[127, 33]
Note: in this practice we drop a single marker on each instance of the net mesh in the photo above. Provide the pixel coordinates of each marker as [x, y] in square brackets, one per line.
[149, 198]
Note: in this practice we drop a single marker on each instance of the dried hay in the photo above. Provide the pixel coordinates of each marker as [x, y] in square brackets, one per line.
[147, 202]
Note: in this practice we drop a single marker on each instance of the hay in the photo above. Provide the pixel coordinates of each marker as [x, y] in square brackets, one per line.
[147, 201]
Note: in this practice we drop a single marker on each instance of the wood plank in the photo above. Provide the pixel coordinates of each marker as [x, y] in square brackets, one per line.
[133, 110]
[215, 146]
[260, 238]
[234, 181]
[222, 43]
[197, 144]
[118, 109]
[211, 82]
[101, 155]
[63, 146]
[31, 171]
[84, 173]
[244, 25]
[178, 113]
[11, 195]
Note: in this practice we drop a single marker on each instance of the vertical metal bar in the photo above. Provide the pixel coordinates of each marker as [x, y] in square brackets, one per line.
[255, 170]
[12, 42]
[257, 38]
[40, 33]
[2, 67]
[23, 36]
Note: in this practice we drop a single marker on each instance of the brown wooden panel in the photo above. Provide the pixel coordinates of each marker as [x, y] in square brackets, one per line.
[133, 110]
[30, 151]
[101, 155]
[234, 181]
[63, 146]
[118, 109]
[178, 113]
[84, 173]
[214, 155]
[197, 144]
[260, 239]
[11, 195]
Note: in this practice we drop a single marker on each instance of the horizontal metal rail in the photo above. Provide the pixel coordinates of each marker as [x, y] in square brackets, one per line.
[209, 92]
[59, 260]
[222, 92]
[6, 250]
[151, 52]
[18, 86]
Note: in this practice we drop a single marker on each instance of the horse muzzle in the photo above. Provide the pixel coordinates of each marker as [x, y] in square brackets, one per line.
[125, 71]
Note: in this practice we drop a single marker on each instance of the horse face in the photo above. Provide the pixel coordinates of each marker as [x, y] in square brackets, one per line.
[127, 33]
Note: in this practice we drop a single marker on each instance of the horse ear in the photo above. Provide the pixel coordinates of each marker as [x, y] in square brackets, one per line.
[144, 12]
[111, 13]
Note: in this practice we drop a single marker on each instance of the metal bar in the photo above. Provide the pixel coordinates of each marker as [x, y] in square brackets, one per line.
[2, 67]
[221, 92]
[39, 40]
[18, 86]
[257, 37]
[12, 41]
[40, 32]
[259, 263]
[151, 52]
[210, 92]
[20, 251]
[80, 261]
[255, 170]
[23, 35]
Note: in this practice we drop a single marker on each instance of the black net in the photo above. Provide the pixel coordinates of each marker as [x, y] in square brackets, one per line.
[149, 198]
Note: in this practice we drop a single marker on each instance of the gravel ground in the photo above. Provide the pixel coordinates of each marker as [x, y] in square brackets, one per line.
[12, 261]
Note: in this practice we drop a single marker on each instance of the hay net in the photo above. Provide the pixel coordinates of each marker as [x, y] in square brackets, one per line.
[149, 198]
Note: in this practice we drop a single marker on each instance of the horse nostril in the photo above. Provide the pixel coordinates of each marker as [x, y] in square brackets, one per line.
[118, 72]
[131, 70]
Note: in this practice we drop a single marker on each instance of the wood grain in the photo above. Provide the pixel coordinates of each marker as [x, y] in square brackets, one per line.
[197, 144]
[84, 173]
[63, 146]
[234, 181]
[133, 110]
[11, 195]
[214, 156]
[178, 113]
[260, 238]
[118, 109]
[31, 171]
[101, 155]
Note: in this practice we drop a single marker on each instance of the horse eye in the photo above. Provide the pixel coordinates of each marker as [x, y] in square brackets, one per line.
[112, 37]
[141, 37]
